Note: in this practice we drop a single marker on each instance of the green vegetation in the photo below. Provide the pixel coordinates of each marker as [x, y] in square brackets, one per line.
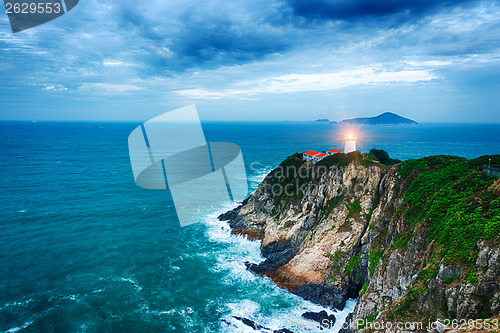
[454, 202]
[409, 166]
[374, 258]
[472, 276]
[416, 166]
[341, 160]
[363, 289]
[402, 241]
[429, 272]
[285, 183]
[447, 198]
[404, 307]
[382, 156]
[330, 205]
[449, 279]
[369, 319]
[484, 160]
[368, 216]
[353, 262]
[354, 208]
[291, 179]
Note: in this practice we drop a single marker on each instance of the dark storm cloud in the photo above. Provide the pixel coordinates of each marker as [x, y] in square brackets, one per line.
[400, 10]
[208, 36]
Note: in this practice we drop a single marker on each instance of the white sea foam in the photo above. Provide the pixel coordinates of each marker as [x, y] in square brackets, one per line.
[231, 259]
[71, 297]
[15, 304]
[145, 308]
[134, 283]
[22, 327]
[286, 318]
[258, 178]
[238, 249]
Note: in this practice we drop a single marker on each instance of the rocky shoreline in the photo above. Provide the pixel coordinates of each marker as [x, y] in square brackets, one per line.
[345, 228]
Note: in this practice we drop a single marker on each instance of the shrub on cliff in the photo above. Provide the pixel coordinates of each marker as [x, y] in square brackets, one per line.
[455, 203]
[383, 157]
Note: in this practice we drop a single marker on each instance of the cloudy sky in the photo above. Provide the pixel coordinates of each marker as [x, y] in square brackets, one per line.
[122, 60]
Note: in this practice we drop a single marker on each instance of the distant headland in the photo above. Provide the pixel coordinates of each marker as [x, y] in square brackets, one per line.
[387, 118]
[325, 121]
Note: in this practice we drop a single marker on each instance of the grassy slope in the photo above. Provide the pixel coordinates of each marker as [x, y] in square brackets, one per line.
[454, 201]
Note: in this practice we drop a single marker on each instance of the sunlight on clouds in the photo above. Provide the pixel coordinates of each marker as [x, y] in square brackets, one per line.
[114, 63]
[55, 87]
[428, 63]
[315, 82]
[202, 93]
[460, 21]
[331, 81]
[109, 87]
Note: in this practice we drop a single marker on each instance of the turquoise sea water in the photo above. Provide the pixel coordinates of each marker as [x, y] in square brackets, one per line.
[83, 249]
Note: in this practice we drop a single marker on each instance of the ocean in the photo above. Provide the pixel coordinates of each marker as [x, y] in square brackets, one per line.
[83, 249]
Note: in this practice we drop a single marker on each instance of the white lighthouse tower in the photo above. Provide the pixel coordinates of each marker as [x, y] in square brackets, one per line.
[350, 144]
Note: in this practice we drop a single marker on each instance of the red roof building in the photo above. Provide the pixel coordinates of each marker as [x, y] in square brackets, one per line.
[334, 151]
[313, 156]
[311, 153]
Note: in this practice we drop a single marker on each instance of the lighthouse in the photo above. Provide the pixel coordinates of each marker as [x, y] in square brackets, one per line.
[350, 144]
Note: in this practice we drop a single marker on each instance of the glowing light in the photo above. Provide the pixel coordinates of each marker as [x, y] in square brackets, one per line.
[350, 132]
[350, 136]
[350, 140]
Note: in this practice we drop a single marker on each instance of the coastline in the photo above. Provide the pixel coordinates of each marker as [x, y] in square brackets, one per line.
[245, 317]
[330, 252]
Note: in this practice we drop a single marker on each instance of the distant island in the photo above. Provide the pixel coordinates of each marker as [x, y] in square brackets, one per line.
[324, 120]
[387, 118]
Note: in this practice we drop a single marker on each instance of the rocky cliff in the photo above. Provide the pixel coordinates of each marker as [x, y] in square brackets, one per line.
[418, 240]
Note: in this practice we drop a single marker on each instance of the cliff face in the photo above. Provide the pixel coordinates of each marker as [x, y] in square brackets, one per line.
[417, 240]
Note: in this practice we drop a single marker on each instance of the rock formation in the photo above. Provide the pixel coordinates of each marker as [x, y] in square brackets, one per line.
[351, 227]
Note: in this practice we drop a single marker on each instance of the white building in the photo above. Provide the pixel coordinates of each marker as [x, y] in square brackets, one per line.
[319, 157]
[313, 156]
[333, 151]
[350, 145]
[308, 155]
